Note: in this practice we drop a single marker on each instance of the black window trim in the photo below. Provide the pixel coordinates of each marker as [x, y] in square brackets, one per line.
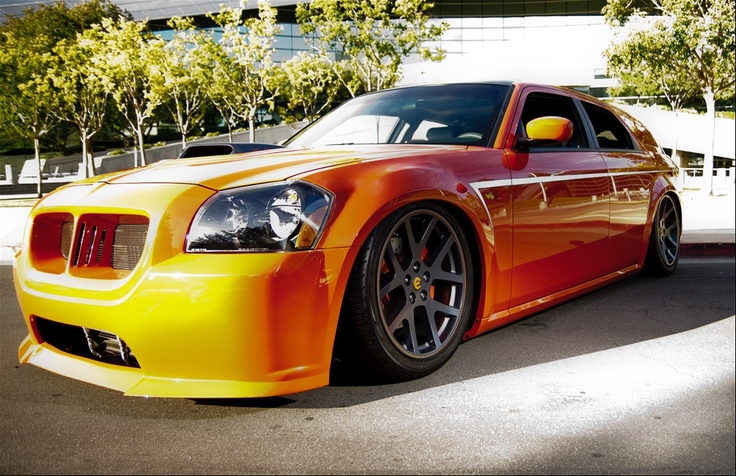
[582, 117]
[591, 130]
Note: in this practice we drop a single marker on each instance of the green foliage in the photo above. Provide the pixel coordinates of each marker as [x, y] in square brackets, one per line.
[131, 59]
[373, 37]
[686, 49]
[30, 100]
[309, 84]
[243, 65]
[186, 68]
[641, 65]
[79, 84]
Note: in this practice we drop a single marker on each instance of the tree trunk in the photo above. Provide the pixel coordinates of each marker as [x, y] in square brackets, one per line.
[85, 154]
[91, 155]
[37, 148]
[183, 126]
[139, 133]
[708, 159]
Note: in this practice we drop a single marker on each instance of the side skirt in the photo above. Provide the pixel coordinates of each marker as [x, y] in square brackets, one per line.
[507, 316]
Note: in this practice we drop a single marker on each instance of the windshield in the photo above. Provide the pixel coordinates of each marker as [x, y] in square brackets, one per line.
[443, 114]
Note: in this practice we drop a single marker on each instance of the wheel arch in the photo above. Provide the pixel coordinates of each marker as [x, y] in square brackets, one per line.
[460, 219]
[661, 188]
[367, 195]
[470, 225]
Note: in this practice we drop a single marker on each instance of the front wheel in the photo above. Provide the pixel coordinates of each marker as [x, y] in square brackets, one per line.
[409, 297]
[664, 243]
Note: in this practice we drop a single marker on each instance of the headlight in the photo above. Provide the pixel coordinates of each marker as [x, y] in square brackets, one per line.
[284, 216]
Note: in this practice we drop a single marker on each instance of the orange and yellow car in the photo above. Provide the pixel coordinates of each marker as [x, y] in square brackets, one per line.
[384, 234]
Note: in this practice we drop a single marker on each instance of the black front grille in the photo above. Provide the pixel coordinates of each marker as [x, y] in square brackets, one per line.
[91, 243]
[92, 344]
[107, 241]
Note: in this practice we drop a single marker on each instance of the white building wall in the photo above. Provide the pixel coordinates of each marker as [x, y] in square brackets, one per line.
[566, 50]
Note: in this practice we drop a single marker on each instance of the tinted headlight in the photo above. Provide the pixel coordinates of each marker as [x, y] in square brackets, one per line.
[274, 217]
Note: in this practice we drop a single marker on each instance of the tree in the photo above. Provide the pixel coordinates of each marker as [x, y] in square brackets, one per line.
[28, 98]
[82, 97]
[309, 84]
[187, 72]
[687, 42]
[222, 91]
[638, 67]
[131, 59]
[244, 74]
[374, 37]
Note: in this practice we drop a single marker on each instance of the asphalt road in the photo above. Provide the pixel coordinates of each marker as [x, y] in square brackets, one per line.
[635, 378]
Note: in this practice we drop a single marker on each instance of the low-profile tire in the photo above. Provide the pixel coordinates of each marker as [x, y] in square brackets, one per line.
[663, 253]
[409, 297]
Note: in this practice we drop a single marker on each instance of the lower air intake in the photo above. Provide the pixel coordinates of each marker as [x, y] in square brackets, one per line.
[93, 344]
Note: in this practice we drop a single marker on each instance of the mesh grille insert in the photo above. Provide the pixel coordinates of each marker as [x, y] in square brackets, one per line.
[107, 242]
[128, 245]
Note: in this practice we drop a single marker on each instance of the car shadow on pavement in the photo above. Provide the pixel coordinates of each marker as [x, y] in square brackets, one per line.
[635, 310]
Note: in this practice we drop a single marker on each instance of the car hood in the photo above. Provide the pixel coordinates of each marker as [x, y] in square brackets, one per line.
[230, 171]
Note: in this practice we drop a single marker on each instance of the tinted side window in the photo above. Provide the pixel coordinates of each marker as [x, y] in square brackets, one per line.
[609, 131]
[541, 104]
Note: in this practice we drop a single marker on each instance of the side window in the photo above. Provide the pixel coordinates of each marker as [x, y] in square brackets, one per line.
[609, 131]
[543, 104]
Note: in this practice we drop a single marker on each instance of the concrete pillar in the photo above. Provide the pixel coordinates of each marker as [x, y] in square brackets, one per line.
[11, 175]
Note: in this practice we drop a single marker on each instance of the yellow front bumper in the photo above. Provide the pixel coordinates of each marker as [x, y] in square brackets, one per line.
[254, 325]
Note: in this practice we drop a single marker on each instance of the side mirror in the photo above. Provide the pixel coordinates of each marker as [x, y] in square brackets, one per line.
[547, 130]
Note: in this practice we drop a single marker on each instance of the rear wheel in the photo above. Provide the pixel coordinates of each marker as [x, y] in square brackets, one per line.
[409, 297]
[664, 243]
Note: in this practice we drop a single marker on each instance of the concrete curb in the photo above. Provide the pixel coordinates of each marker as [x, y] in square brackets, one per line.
[694, 250]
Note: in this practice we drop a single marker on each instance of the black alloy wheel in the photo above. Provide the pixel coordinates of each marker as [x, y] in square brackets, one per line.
[409, 297]
[664, 244]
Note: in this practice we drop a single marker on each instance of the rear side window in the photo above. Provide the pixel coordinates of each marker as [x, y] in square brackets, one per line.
[609, 131]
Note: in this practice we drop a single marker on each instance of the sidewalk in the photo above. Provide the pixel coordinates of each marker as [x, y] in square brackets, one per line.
[708, 224]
